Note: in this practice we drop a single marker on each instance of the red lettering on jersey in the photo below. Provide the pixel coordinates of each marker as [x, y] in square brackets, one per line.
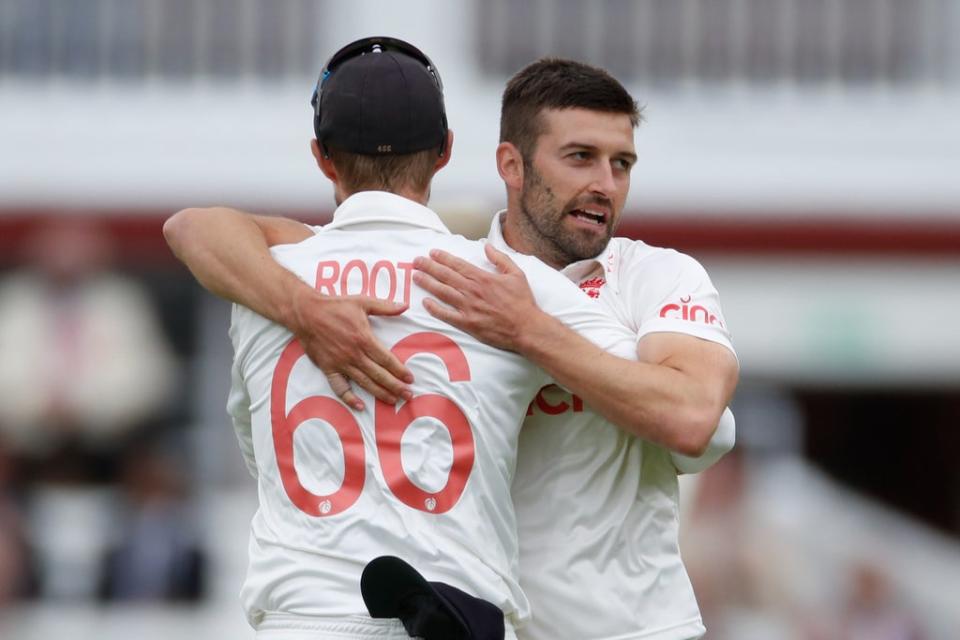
[391, 423]
[360, 266]
[389, 426]
[695, 313]
[327, 282]
[550, 409]
[333, 280]
[439, 345]
[541, 402]
[407, 268]
[667, 308]
[379, 267]
[285, 424]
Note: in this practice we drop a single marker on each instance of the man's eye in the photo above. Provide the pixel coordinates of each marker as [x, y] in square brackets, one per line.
[579, 155]
[622, 164]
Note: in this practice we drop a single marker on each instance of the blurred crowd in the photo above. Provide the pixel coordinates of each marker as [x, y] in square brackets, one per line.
[94, 499]
[751, 582]
[763, 542]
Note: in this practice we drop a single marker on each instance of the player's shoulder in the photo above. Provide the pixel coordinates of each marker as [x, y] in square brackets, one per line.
[636, 258]
[285, 253]
[542, 276]
[554, 292]
[465, 248]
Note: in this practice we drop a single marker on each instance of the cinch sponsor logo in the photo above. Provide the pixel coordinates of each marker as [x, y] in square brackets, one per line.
[686, 311]
[561, 402]
[384, 279]
[592, 286]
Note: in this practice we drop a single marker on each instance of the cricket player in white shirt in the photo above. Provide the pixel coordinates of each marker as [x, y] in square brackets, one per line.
[427, 479]
[597, 504]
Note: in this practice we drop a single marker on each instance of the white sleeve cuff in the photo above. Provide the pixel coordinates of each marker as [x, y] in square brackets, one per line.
[722, 441]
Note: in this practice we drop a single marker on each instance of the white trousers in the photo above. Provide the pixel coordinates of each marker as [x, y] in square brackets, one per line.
[280, 627]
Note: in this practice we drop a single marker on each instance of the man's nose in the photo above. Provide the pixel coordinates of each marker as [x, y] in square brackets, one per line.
[603, 180]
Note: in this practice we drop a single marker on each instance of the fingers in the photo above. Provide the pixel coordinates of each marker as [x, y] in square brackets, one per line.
[441, 312]
[458, 265]
[442, 272]
[442, 291]
[341, 386]
[500, 260]
[394, 373]
[383, 384]
[379, 383]
[367, 383]
[341, 341]
[378, 307]
[373, 378]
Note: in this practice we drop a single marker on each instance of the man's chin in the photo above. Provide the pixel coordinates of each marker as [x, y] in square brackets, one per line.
[586, 250]
[588, 242]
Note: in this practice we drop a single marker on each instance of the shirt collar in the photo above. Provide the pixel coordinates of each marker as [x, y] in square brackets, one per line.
[381, 206]
[605, 264]
[495, 237]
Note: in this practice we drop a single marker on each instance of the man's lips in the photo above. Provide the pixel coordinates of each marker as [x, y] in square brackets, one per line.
[590, 216]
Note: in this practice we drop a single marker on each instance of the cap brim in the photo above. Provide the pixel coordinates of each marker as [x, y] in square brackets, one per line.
[386, 581]
[391, 588]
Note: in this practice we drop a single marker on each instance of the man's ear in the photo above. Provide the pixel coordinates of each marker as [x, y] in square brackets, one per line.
[510, 165]
[447, 150]
[323, 161]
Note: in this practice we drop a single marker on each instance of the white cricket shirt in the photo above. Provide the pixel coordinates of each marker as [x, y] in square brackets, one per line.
[428, 480]
[597, 508]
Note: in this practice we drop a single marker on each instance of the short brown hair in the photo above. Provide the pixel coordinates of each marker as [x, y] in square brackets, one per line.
[557, 83]
[392, 173]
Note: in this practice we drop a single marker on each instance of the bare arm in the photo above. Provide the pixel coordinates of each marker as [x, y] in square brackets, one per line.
[228, 252]
[673, 396]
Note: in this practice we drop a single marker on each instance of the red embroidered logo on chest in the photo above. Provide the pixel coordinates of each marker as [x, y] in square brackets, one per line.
[592, 286]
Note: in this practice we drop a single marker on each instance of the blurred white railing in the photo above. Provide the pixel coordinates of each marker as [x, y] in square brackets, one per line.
[887, 43]
[805, 42]
[170, 40]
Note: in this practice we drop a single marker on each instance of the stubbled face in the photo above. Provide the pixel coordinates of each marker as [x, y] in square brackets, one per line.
[576, 183]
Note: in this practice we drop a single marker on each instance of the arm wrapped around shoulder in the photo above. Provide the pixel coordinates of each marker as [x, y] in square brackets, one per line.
[722, 441]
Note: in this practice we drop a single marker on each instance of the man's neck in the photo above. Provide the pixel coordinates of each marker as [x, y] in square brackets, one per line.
[520, 239]
[512, 235]
[420, 197]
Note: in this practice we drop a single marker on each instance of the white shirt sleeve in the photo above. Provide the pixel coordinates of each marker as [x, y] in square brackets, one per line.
[722, 441]
[671, 292]
[238, 400]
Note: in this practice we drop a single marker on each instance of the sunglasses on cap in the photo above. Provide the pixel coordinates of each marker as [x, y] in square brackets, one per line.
[371, 45]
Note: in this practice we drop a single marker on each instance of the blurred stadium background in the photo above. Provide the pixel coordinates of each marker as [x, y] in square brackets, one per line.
[806, 151]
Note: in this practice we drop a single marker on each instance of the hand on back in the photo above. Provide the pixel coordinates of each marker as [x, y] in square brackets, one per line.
[336, 335]
[492, 307]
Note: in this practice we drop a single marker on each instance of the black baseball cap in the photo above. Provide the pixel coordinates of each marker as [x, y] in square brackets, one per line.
[392, 588]
[379, 96]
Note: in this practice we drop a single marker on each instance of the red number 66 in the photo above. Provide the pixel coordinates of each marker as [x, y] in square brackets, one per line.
[389, 425]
